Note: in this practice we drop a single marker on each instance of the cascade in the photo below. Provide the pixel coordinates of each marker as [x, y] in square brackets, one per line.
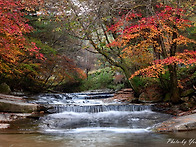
[100, 108]
[86, 112]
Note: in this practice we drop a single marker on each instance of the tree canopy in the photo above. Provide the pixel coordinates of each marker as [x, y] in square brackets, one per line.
[46, 42]
[152, 42]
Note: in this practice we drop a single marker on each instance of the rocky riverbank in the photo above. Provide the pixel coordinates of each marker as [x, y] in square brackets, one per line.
[184, 116]
[6, 118]
[180, 123]
[13, 108]
[15, 104]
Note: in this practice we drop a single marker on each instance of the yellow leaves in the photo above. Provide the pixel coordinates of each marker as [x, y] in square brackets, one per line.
[151, 71]
[154, 35]
[183, 40]
[180, 84]
[188, 58]
[130, 36]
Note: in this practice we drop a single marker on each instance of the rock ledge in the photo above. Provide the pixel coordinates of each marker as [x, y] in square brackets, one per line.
[181, 123]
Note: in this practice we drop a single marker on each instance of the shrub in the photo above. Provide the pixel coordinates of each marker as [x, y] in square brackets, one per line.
[100, 79]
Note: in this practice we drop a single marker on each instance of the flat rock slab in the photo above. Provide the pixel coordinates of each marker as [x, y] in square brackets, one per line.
[11, 97]
[8, 117]
[16, 105]
[181, 123]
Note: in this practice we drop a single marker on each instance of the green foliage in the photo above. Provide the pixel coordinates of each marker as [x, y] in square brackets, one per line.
[100, 79]
[138, 81]
[30, 84]
[187, 77]
[144, 82]
[44, 48]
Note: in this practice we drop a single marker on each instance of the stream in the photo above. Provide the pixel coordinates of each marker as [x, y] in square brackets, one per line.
[93, 120]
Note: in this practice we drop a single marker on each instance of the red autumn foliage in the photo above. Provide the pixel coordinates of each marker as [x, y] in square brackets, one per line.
[155, 39]
[13, 26]
[139, 34]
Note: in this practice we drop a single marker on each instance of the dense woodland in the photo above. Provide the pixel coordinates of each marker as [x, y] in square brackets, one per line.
[77, 45]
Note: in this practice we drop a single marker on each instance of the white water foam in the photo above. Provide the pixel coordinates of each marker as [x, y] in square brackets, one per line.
[99, 129]
[100, 114]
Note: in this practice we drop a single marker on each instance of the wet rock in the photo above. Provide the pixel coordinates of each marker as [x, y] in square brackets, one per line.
[8, 117]
[11, 97]
[181, 123]
[17, 93]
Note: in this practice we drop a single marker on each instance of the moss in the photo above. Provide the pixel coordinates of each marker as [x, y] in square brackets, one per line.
[4, 88]
[167, 97]
[187, 92]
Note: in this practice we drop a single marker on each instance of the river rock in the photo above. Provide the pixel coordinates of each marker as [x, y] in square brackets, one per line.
[181, 123]
[8, 117]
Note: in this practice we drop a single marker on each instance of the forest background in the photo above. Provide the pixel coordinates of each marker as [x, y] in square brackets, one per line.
[77, 45]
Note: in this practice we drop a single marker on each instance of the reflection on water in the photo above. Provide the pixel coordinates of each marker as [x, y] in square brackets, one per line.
[96, 139]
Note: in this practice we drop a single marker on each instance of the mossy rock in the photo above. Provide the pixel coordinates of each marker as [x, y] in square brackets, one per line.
[4, 88]
[187, 92]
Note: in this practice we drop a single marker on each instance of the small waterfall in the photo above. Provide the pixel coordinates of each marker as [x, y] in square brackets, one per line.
[100, 108]
[94, 112]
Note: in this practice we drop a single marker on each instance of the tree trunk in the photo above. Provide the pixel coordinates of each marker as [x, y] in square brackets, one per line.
[174, 90]
[175, 96]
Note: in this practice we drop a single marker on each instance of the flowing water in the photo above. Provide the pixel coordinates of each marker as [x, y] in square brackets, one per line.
[91, 120]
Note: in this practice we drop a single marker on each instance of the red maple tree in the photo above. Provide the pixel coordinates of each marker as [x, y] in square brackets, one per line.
[155, 39]
[14, 46]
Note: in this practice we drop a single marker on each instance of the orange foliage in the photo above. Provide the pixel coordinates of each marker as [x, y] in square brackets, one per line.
[58, 69]
[187, 58]
[13, 26]
[151, 39]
